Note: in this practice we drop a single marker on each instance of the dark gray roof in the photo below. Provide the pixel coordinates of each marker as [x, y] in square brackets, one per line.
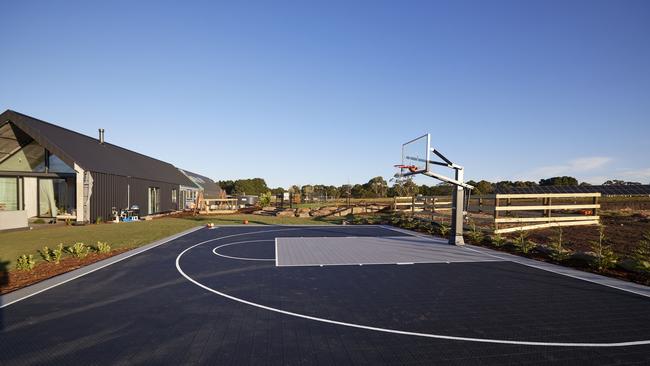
[210, 188]
[90, 154]
[609, 190]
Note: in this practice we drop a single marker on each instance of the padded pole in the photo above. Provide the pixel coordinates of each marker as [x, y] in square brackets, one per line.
[457, 211]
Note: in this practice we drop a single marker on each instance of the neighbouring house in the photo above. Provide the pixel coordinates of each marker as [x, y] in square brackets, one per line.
[203, 185]
[47, 171]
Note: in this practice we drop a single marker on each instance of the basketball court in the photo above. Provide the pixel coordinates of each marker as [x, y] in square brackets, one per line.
[324, 295]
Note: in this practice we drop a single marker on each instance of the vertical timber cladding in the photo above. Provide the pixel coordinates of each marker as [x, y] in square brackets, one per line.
[113, 191]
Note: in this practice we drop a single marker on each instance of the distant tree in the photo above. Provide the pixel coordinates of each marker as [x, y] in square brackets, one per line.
[254, 186]
[332, 192]
[345, 191]
[483, 187]
[406, 187]
[559, 181]
[294, 189]
[618, 182]
[278, 190]
[227, 185]
[359, 191]
[307, 192]
[377, 186]
[525, 184]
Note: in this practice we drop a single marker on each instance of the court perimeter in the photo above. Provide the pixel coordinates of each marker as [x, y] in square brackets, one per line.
[325, 295]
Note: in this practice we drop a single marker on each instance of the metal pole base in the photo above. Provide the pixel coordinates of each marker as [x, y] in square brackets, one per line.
[456, 240]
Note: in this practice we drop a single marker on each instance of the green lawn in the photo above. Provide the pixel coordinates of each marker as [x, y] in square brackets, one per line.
[125, 235]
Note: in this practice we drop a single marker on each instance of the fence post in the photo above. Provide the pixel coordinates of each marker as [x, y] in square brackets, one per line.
[595, 202]
[413, 205]
[496, 213]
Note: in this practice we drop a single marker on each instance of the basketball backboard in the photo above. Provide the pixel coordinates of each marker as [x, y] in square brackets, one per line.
[416, 154]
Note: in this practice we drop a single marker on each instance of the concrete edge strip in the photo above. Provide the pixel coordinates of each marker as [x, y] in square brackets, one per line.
[37, 288]
[615, 283]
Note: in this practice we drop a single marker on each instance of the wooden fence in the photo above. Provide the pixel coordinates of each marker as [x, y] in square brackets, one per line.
[422, 204]
[514, 212]
[538, 211]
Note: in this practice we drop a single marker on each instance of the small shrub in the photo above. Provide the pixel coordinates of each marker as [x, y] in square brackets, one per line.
[522, 242]
[57, 254]
[102, 247]
[444, 229]
[498, 240]
[605, 256]
[46, 254]
[78, 250]
[642, 252]
[410, 223]
[265, 199]
[475, 235]
[557, 246]
[25, 262]
[99, 220]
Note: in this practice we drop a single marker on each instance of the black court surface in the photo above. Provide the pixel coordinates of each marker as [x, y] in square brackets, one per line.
[276, 295]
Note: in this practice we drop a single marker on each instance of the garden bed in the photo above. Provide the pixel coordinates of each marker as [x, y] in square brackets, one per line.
[16, 279]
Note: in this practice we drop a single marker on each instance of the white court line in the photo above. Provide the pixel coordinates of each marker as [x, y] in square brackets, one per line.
[241, 258]
[386, 330]
[376, 263]
[276, 251]
[110, 260]
[529, 263]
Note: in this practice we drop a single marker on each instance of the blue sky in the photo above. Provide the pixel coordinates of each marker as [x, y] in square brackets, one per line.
[301, 92]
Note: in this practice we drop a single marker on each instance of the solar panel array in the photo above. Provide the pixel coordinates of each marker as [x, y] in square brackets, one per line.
[613, 190]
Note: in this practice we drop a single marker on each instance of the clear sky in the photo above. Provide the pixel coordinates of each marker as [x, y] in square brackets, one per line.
[303, 92]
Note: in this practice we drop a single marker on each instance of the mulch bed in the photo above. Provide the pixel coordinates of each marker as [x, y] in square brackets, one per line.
[16, 279]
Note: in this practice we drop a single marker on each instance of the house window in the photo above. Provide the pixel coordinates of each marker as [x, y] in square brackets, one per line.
[174, 196]
[9, 194]
[154, 200]
[56, 197]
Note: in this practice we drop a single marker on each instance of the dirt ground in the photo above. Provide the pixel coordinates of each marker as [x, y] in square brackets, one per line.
[623, 231]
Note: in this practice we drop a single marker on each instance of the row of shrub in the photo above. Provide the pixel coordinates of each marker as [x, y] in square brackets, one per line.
[26, 262]
[600, 257]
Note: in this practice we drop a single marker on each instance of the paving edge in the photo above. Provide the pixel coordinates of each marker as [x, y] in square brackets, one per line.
[37, 288]
[616, 283]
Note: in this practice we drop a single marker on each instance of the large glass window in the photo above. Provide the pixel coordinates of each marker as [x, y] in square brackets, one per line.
[9, 194]
[30, 158]
[56, 197]
[56, 165]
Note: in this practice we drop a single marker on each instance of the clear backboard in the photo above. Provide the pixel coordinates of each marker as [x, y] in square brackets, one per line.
[416, 154]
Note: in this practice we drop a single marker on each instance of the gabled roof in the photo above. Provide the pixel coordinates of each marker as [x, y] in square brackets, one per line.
[210, 188]
[87, 152]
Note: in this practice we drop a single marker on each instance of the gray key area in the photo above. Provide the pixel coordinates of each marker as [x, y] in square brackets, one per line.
[371, 250]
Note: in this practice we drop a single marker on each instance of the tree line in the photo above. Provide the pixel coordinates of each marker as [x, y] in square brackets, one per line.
[378, 187]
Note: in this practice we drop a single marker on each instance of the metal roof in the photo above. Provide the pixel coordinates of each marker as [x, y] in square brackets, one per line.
[608, 190]
[87, 152]
[210, 188]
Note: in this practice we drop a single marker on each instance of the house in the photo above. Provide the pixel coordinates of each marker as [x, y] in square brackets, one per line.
[202, 184]
[47, 171]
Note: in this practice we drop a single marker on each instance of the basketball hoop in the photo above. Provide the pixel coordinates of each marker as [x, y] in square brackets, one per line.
[411, 168]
